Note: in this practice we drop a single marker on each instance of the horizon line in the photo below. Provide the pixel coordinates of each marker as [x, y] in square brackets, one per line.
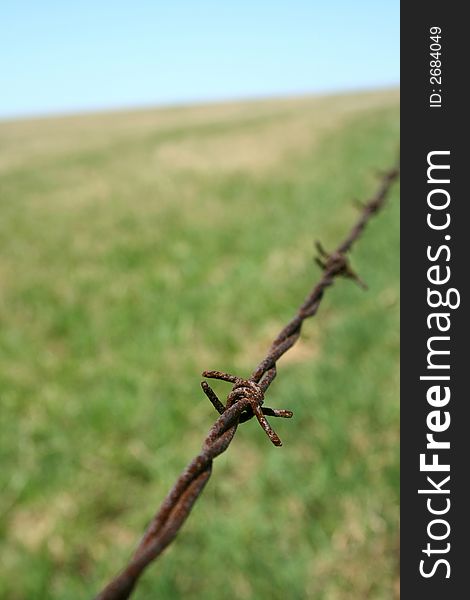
[168, 105]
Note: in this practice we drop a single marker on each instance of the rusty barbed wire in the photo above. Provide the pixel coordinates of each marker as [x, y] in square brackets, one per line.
[244, 401]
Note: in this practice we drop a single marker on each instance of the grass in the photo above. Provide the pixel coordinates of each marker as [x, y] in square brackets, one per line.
[138, 249]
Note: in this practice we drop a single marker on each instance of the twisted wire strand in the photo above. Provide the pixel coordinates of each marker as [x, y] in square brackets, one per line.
[244, 402]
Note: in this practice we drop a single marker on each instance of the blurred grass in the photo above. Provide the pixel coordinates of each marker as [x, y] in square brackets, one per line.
[136, 250]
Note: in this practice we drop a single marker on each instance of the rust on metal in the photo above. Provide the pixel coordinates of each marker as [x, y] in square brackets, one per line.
[244, 402]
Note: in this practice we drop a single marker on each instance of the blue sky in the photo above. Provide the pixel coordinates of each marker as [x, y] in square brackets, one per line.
[65, 56]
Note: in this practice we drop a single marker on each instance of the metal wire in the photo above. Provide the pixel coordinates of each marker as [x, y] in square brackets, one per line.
[243, 402]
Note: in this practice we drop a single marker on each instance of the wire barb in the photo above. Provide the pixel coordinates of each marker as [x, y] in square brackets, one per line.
[337, 263]
[244, 402]
[252, 392]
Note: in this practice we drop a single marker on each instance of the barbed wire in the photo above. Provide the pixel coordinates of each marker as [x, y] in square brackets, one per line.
[244, 401]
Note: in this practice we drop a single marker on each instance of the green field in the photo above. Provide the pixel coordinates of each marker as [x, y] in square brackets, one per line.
[138, 249]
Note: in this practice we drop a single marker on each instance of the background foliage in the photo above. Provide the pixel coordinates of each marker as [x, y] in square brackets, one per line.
[137, 250]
